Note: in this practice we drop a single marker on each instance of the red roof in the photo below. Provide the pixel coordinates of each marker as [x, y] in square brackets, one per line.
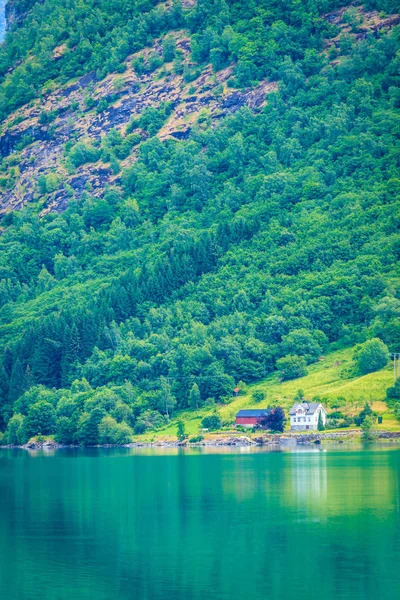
[236, 390]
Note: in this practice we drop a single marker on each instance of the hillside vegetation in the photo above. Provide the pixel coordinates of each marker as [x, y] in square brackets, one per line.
[331, 381]
[264, 239]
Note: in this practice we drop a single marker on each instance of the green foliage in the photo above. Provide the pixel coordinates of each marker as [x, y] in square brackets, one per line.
[367, 427]
[151, 119]
[212, 422]
[47, 183]
[371, 356]
[82, 153]
[149, 419]
[291, 367]
[195, 397]
[112, 432]
[180, 431]
[88, 427]
[364, 414]
[66, 431]
[252, 247]
[41, 418]
[258, 396]
[393, 393]
[169, 48]
[321, 425]
[196, 439]
[15, 434]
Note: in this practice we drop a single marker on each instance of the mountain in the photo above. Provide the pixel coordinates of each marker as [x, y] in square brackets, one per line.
[193, 194]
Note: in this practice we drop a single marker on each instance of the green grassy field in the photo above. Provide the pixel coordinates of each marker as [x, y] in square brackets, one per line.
[330, 379]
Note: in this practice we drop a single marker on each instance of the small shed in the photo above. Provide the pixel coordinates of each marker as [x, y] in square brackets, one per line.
[236, 391]
[249, 418]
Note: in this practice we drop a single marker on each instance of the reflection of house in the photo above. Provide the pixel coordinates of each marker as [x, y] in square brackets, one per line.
[249, 418]
[305, 416]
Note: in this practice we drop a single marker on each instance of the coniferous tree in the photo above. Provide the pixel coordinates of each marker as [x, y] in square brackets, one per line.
[194, 397]
[321, 425]
[16, 388]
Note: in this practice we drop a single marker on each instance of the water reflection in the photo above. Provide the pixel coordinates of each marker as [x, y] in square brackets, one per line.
[308, 479]
[121, 524]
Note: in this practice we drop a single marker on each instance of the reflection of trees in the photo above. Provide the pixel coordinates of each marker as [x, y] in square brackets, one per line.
[122, 525]
[307, 479]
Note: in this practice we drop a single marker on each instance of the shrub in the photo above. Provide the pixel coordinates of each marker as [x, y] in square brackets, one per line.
[393, 393]
[180, 431]
[212, 422]
[83, 153]
[274, 420]
[112, 432]
[291, 367]
[258, 396]
[367, 426]
[140, 427]
[366, 412]
[15, 431]
[196, 439]
[371, 356]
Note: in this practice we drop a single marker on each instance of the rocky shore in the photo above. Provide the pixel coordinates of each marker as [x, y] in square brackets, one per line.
[288, 439]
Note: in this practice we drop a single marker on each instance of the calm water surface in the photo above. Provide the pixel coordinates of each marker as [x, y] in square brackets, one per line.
[119, 524]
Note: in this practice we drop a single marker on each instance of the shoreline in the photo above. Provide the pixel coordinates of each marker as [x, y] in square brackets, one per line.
[289, 439]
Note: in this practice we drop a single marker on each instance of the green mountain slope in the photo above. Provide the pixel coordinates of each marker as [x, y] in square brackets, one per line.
[241, 209]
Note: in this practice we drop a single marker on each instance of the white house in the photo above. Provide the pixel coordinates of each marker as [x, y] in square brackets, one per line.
[305, 416]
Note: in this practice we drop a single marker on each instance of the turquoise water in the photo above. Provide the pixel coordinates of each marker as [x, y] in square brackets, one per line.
[119, 524]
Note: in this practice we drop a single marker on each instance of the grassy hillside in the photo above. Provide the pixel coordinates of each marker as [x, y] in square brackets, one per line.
[329, 380]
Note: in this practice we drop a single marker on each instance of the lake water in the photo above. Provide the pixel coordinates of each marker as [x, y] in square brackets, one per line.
[122, 524]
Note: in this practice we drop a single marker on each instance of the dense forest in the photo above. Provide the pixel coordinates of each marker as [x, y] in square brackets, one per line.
[255, 245]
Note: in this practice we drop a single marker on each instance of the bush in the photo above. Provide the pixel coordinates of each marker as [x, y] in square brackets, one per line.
[112, 432]
[371, 356]
[258, 396]
[180, 431]
[196, 439]
[140, 427]
[274, 420]
[15, 430]
[367, 428]
[366, 412]
[393, 393]
[212, 422]
[291, 367]
[83, 153]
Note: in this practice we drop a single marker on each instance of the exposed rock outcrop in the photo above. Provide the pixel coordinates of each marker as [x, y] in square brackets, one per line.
[38, 146]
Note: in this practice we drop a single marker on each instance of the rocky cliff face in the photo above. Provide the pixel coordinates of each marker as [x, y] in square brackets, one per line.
[32, 147]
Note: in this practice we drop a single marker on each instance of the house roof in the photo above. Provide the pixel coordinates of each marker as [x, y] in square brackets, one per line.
[310, 407]
[253, 412]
